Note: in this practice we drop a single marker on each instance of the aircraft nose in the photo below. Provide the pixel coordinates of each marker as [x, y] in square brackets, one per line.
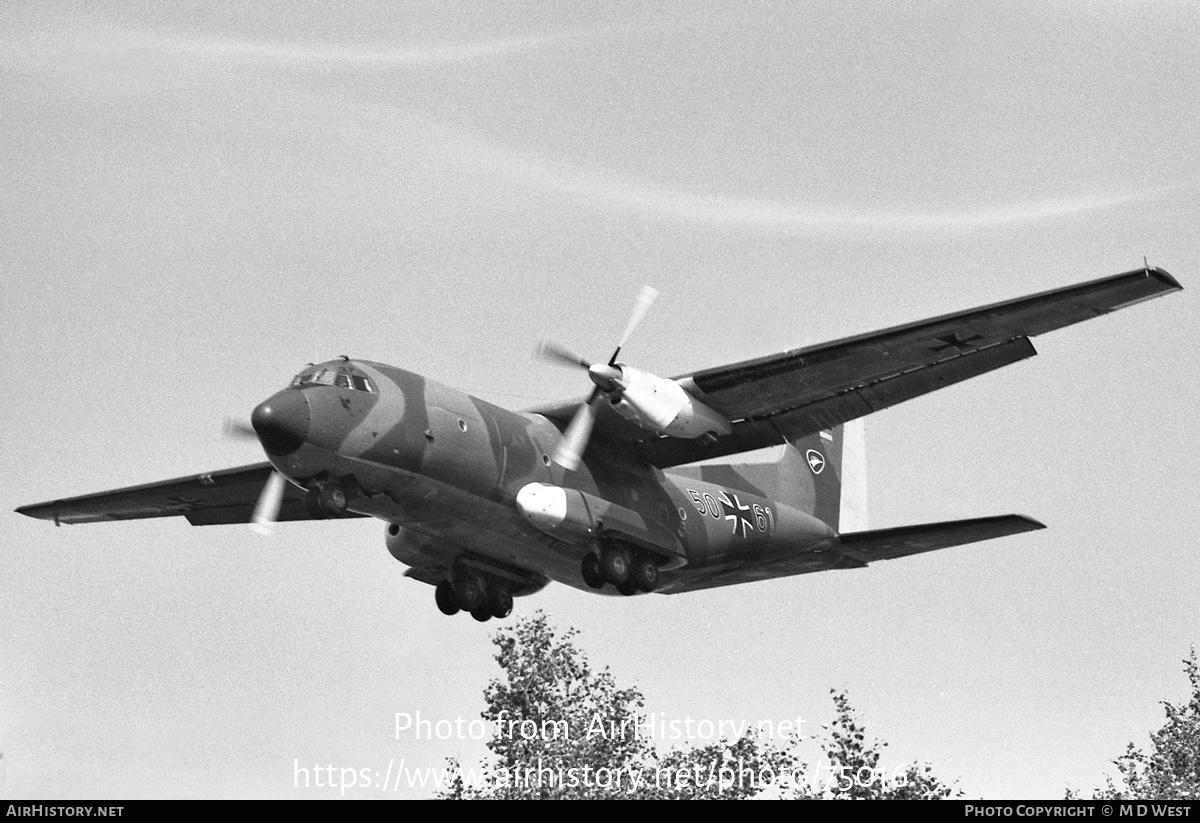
[282, 421]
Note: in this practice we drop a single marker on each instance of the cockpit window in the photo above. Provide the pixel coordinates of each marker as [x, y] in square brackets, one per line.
[315, 377]
[332, 377]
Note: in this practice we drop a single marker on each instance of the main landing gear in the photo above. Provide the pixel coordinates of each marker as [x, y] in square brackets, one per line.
[471, 592]
[628, 568]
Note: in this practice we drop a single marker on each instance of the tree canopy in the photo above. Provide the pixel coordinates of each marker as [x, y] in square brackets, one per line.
[562, 730]
[1170, 769]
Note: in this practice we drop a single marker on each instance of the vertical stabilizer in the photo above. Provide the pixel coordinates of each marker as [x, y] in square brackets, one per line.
[810, 475]
[822, 474]
[833, 464]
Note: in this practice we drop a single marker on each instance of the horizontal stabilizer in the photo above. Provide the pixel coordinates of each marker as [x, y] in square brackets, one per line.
[888, 544]
[850, 551]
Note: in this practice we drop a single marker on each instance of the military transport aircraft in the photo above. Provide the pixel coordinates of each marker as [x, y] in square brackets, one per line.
[631, 490]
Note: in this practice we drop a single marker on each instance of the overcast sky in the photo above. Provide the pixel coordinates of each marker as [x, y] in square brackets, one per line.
[197, 200]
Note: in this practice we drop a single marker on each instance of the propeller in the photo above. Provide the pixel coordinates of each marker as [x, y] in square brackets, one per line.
[238, 430]
[605, 376]
[645, 299]
[561, 355]
[575, 439]
[270, 499]
[266, 510]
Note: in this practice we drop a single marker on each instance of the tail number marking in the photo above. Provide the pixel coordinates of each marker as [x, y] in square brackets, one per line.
[743, 517]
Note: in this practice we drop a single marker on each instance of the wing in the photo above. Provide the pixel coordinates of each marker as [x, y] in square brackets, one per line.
[799, 392]
[226, 496]
[855, 550]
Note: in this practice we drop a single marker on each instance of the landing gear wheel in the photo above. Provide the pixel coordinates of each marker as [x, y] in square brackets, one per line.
[481, 614]
[470, 594]
[444, 595]
[627, 588]
[593, 575]
[332, 498]
[615, 562]
[500, 603]
[326, 500]
[644, 574]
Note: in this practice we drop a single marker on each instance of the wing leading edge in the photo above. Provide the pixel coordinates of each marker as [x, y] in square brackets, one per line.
[796, 393]
[857, 549]
[219, 497]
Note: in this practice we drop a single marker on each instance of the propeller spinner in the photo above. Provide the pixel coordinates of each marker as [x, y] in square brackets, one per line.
[606, 378]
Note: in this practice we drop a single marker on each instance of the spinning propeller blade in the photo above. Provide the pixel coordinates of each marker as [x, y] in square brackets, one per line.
[238, 430]
[561, 355]
[269, 502]
[270, 499]
[645, 299]
[575, 438]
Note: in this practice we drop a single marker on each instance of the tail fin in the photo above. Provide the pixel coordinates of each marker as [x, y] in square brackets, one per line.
[825, 474]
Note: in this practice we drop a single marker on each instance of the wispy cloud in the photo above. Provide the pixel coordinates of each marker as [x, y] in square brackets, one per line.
[115, 48]
[783, 216]
[609, 191]
[300, 54]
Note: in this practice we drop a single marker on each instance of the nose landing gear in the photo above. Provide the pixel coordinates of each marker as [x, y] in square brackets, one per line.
[327, 498]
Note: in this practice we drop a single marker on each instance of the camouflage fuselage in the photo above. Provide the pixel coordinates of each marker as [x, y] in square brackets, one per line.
[444, 470]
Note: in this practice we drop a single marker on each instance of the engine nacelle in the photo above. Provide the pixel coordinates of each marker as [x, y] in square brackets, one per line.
[405, 545]
[563, 513]
[581, 518]
[660, 405]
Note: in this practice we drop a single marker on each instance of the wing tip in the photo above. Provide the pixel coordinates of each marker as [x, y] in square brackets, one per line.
[33, 511]
[1164, 277]
[50, 512]
[1030, 524]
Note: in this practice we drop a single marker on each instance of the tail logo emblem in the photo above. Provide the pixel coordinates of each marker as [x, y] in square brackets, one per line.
[816, 461]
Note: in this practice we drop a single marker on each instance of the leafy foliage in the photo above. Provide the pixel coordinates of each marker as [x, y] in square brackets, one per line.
[855, 773]
[1170, 770]
[544, 714]
[562, 730]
